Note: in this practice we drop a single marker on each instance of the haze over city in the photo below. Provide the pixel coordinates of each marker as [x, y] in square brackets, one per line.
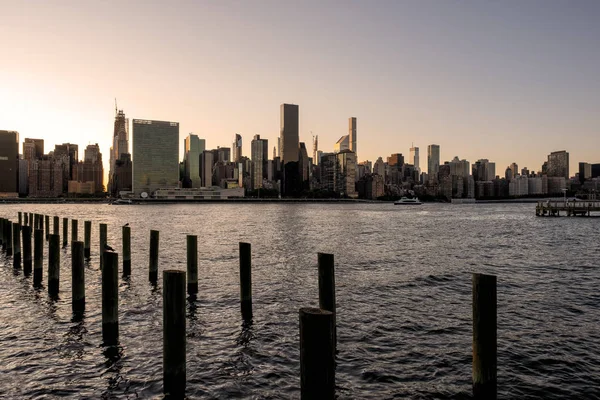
[507, 81]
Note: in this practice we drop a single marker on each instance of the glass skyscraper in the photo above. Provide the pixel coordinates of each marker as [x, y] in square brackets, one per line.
[155, 155]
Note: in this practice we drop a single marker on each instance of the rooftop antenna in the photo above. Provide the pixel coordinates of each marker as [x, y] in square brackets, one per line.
[116, 106]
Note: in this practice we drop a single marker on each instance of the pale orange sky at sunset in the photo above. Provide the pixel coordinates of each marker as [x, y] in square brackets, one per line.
[508, 81]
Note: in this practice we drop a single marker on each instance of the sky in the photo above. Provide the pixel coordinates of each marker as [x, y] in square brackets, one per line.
[509, 81]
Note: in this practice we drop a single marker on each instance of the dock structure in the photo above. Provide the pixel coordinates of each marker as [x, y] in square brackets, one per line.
[570, 208]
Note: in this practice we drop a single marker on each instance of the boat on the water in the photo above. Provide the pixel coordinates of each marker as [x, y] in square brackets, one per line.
[407, 201]
[122, 201]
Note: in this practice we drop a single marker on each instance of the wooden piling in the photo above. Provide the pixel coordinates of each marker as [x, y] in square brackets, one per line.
[20, 219]
[327, 288]
[65, 238]
[153, 265]
[56, 225]
[192, 264]
[484, 337]
[77, 278]
[27, 255]
[317, 364]
[8, 232]
[110, 298]
[31, 222]
[53, 265]
[126, 251]
[38, 257]
[74, 231]
[246, 280]
[103, 242]
[25, 219]
[2, 233]
[16, 232]
[47, 225]
[174, 340]
[87, 238]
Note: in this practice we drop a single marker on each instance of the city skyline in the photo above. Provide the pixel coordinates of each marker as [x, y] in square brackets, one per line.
[407, 73]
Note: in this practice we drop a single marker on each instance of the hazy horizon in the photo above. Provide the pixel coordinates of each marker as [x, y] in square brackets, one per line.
[507, 81]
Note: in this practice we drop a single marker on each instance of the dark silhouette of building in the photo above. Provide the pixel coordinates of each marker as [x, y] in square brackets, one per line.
[9, 163]
[290, 144]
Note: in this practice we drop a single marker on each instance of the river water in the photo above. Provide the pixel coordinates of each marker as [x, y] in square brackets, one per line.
[403, 278]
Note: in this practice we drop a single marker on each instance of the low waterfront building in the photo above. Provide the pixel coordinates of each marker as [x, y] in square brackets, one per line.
[210, 193]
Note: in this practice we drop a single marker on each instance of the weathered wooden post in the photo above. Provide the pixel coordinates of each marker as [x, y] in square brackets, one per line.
[31, 222]
[87, 237]
[110, 298]
[47, 224]
[174, 357]
[8, 237]
[153, 266]
[192, 264]
[38, 257]
[53, 265]
[20, 219]
[74, 233]
[246, 279]
[16, 228]
[65, 239]
[77, 278]
[25, 219]
[327, 288]
[317, 363]
[126, 251]
[484, 337]
[56, 225]
[103, 242]
[2, 233]
[27, 259]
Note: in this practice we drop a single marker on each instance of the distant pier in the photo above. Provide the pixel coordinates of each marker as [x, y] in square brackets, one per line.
[570, 208]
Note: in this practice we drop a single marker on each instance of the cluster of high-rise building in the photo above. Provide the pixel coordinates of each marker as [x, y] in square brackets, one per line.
[153, 168]
[58, 173]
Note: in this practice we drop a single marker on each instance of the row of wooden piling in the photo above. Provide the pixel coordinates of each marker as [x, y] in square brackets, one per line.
[318, 332]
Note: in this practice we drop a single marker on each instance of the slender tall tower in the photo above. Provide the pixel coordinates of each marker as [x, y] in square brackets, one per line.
[120, 145]
[315, 150]
[352, 135]
[433, 161]
[290, 150]
[414, 158]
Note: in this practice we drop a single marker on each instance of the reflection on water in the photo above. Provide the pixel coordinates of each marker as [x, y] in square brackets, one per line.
[403, 291]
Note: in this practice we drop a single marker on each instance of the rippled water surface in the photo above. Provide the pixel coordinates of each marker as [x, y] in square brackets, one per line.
[403, 280]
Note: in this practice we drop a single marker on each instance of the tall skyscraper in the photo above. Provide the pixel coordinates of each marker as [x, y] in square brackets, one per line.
[484, 170]
[155, 155]
[290, 145]
[237, 148]
[290, 140]
[315, 150]
[193, 147]
[433, 161]
[91, 169]
[558, 164]
[259, 156]
[352, 135]
[515, 169]
[119, 148]
[9, 163]
[414, 158]
[207, 161]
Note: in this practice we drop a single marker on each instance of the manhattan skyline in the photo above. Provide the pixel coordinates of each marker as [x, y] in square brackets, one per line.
[509, 82]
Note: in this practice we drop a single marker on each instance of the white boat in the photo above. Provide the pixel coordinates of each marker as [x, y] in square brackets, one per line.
[122, 201]
[406, 200]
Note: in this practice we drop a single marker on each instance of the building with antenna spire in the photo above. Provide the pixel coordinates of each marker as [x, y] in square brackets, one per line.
[119, 176]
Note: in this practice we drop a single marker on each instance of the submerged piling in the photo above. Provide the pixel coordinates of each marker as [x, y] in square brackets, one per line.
[103, 239]
[38, 257]
[484, 337]
[110, 298]
[53, 265]
[74, 229]
[192, 264]
[174, 357]
[317, 364]
[47, 225]
[327, 288]
[65, 238]
[8, 238]
[27, 258]
[87, 237]
[2, 233]
[20, 219]
[246, 280]
[126, 251]
[77, 278]
[153, 264]
[16, 232]
[56, 225]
